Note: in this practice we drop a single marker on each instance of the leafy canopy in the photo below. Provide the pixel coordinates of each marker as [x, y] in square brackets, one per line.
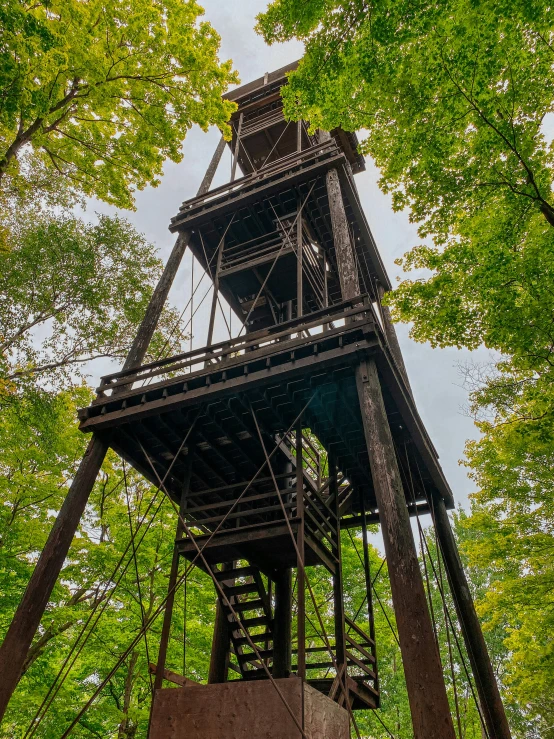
[71, 292]
[104, 91]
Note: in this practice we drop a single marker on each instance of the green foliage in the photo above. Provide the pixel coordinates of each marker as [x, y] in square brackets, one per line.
[452, 95]
[104, 91]
[71, 292]
[41, 449]
[510, 535]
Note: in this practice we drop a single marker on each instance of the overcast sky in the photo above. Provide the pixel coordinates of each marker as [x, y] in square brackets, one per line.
[434, 373]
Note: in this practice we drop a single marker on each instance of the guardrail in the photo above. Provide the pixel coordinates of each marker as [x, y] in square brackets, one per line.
[223, 352]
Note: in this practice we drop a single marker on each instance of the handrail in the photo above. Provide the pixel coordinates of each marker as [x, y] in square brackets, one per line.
[359, 631]
[267, 170]
[230, 345]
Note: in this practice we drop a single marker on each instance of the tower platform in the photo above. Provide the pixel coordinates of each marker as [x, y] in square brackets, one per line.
[275, 372]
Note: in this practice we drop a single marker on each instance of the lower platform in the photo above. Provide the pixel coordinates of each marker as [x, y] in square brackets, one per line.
[216, 402]
[247, 710]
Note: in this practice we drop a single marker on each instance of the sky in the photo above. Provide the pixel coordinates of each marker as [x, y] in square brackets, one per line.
[435, 374]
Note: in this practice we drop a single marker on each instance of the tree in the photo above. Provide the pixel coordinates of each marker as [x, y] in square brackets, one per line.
[40, 448]
[510, 536]
[72, 291]
[103, 92]
[453, 97]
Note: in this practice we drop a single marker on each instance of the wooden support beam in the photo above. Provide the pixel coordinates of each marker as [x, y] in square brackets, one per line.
[173, 574]
[429, 706]
[172, 677]
[216, 290]
[237, 148]
[26, 620]
[299, 262]
[221, 640]
[210, 172]
[300, 580]
[392, 338]
[282, 623]
[483, 673]
[431, 718]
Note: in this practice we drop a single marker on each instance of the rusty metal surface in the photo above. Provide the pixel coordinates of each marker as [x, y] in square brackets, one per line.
[246, 710]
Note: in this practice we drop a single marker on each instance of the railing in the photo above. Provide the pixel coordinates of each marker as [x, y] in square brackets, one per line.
[360, 650]
[297, 158]
[224, 352]
[360, 657]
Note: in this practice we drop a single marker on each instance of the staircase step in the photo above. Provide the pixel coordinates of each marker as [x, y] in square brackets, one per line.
[250, 587]
[242, 641]
[233, 574]
[253, 657]
[249, 623]
[248, 605]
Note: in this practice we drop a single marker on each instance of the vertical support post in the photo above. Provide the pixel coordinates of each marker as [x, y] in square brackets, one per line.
[219, 658]
[237, 148]
[26, 620]
[300, 581]
[282, 623]
[299, 136]
[173, 574]
[369, 595]
[340, 642]
[299, 261]
[392, 338]
[429, 706]
[216, 291]
[346, 262]
[485, 680]
[325, 288]
[210, 172]
[325, 282]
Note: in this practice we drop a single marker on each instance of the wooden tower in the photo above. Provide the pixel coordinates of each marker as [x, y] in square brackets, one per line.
[314, 374]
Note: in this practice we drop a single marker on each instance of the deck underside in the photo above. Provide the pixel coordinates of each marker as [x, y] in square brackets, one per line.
[217, 411]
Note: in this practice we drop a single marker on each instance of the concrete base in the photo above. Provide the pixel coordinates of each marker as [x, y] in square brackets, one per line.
[246, 710]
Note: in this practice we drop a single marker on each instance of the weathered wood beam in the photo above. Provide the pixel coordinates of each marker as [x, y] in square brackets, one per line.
[392, 338]
[429, 706]
[431, 718]
[282, 644]
[172, 677]
[485, 679]
[221, 641]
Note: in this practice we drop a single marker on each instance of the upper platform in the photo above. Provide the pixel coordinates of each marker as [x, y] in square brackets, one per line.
[265, 133]
[255, 215]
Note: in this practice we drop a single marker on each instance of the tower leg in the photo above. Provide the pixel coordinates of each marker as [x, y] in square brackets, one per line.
[282, 624]
[26, 620]
[392, 338]
[429, 707]
[221, 641]
[487, 688]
